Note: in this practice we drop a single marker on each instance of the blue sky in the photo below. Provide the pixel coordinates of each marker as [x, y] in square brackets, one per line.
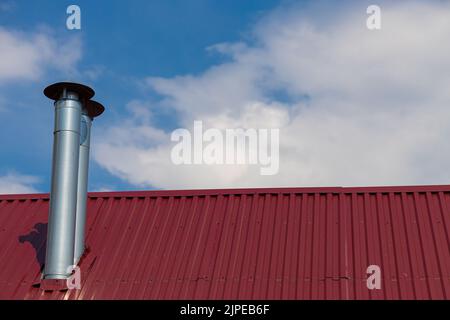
[354, 106]
[124, 41]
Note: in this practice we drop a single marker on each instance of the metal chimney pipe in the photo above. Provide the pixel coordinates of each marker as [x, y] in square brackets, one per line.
[91, 109]
[69, 98]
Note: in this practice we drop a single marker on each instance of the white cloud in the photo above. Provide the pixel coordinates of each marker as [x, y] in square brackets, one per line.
[25, 56]
[16, 183]
[30, 57]
[354, 107]
[94, 72]
[104, 189]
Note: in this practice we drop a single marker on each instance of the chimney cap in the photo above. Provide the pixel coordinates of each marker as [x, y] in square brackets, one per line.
[55, 90]
[94, 108]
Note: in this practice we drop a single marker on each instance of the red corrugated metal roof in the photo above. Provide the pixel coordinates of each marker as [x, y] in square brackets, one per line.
[289, 243]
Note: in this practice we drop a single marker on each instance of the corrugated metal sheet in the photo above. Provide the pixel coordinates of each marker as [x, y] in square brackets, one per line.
[301, 243]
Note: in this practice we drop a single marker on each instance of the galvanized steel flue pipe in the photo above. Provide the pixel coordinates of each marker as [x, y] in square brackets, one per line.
[90, 110]
[69, 174]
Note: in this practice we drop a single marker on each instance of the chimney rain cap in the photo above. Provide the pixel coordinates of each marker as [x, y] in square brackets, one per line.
[55, 90]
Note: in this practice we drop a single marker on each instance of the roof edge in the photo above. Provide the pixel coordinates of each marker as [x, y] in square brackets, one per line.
[240, 191]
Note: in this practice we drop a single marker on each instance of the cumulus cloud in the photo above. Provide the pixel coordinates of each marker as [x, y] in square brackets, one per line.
[16, 183]
[30, 57]
[354, 106]
[25, 56]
